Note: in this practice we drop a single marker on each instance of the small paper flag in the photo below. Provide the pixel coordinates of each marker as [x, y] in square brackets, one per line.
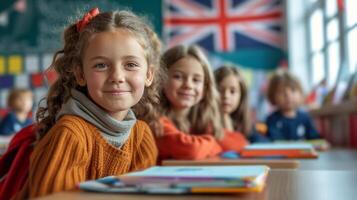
[6, 81]
[22, 81]
[37, 80]
[2, 65]
[32, 64]
[15, 64]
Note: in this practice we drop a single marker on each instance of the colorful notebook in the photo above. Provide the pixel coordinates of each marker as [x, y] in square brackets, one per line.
[184, 179]
[279, 150]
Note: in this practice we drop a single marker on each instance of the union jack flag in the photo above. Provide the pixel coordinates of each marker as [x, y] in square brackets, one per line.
[223, 25]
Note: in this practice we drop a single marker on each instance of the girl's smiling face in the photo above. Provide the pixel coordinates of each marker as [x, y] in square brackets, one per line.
[115, 71]
[184, 88]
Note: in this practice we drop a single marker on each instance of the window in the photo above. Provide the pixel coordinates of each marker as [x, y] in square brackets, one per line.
[351, 14]
[352, 49]
[331, 7]
[332, 38]
[318, 70]
[332, 30]
[316, 30]
[333, 52]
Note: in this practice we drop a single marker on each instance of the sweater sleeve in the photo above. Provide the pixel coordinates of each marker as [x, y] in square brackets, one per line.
[146, 152]
[57, 163]
[175, 144]
[233, 141]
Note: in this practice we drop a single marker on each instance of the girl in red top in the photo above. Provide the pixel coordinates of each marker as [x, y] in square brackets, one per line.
[234, 106]
[191, 120]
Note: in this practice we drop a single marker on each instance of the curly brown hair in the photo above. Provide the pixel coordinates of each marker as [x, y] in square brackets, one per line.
[240, 116]
[68, 61]
[205, 115]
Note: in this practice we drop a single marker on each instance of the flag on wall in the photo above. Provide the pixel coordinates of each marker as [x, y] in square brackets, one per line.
[223, 25]
[236, 29]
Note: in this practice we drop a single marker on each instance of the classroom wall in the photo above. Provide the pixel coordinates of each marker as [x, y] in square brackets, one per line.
[30, 32]
[297, 44]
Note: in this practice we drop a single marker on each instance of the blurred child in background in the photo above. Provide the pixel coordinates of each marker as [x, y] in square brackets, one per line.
[20, 102]
[192, 126]
[191, 117]
[234, 104]
[288, 122]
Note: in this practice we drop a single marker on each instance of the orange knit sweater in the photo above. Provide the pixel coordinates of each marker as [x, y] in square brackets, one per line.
[74, 151]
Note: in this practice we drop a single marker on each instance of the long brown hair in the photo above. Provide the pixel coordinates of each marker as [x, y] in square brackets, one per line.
[241, 116]
[68, 61]
[205, 116]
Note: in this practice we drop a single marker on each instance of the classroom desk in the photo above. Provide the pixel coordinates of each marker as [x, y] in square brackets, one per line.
[333, 159]
[273, 164]
[281, 185]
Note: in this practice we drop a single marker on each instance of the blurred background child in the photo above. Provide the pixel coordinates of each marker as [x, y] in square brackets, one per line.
[192, 126]
[288, 122]
[234, 103]
[20, 102]
[190, 113]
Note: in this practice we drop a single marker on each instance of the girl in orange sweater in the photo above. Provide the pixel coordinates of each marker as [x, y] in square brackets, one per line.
[91, 124]
[234, 106]
[191, 117]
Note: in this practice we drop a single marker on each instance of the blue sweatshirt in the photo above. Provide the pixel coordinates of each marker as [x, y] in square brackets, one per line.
[299, 127]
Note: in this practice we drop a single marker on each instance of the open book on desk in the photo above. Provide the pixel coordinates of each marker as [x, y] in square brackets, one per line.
[279, 150]
[184, 180]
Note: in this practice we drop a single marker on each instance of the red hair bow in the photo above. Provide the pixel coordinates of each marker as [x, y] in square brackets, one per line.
[86, 19]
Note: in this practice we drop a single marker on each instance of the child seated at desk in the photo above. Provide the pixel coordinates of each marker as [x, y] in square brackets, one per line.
[190, 113]
[288, 122]
[191, 119]
[234, 106]
[94, 122]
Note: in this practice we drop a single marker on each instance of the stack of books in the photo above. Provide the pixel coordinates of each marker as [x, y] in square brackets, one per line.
[279, 150]
[184, 180]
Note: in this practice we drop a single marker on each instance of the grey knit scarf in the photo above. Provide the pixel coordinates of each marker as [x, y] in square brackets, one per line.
[114, 131]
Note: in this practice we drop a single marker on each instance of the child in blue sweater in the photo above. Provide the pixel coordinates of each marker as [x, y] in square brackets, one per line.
[288, 122]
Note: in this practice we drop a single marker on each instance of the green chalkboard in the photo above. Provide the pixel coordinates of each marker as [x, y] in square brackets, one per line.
[33, 26]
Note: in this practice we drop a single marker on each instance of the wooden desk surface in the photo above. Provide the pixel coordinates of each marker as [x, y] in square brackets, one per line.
[273, 164]
[281, 185]
[333, 159]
